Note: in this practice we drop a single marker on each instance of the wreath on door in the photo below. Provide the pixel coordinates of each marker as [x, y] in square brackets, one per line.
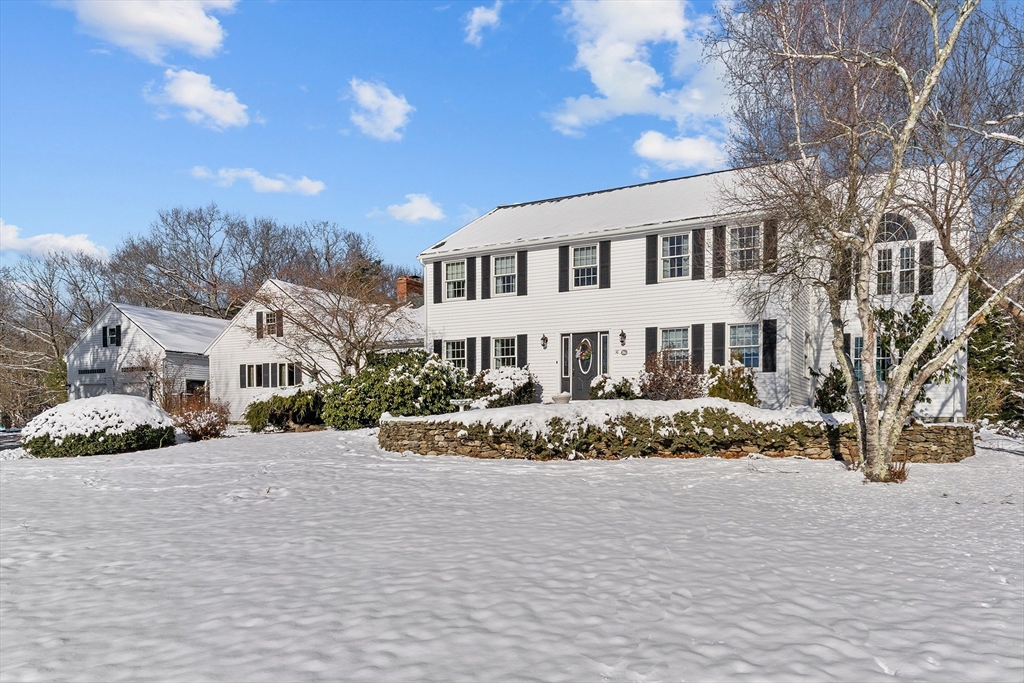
[584, 352]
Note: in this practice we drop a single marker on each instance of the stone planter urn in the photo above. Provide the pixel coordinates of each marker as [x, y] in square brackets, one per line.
[562, 398]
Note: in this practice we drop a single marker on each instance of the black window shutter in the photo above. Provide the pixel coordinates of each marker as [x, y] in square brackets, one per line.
[845, 283]
[266, 374]
[652, 259]
[769, 335]
[927, 268]
[650, 342]
[771, 245]
[485, 277]
[437, 282]
[520, 273]
[604, 262]
[697, 349]
[437, 347]
[471, 278]
[718, 253]
[273, 374]
[718, 343]
[117, 336]
[846, 344]
[485, 353]
[241, 376]
[259, 324]
[698, 255]
[280, 323]
[105, 341]
[298, 373]
[563, 268]
[521, 350]
[471, 355]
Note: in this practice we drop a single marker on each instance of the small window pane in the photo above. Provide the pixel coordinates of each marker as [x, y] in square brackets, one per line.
[885, 271]
[604, 354]
[744, 344]
[504, 352]
[565, 356]
[675, 256]
[745, 247]
[504, 274]
[584, 271]
[455, 353]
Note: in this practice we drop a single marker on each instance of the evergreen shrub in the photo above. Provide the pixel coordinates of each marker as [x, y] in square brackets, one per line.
[501, 387]
[733, 382]
[286, 412]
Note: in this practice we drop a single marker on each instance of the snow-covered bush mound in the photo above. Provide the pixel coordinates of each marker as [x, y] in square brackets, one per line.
[508, 386]
[99, 425]
[622, 428]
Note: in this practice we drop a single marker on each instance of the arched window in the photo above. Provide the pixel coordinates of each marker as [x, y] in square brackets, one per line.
[895, 228]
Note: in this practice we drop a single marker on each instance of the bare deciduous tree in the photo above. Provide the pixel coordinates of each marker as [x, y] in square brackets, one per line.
[850, 112]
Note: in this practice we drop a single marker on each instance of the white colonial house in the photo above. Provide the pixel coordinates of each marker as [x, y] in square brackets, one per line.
[276, 341]
[127, 349]
[592, 284]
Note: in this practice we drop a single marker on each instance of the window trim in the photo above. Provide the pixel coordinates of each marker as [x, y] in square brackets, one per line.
[731, 249]
[464, 280]
[662, 258]
[901, 271]
[879, 271]
[573, 268]
[686, 349]
[757, 345]
[448, 359]
[495, 356]
[494, 275]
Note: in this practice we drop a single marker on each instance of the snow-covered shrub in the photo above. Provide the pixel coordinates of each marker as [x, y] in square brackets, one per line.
[285, 410]
[626, 389]
[733, 382]
[201, 419]
[500, 387]
[668, 379]
[831, 396]
[98, 426]
[408, 383]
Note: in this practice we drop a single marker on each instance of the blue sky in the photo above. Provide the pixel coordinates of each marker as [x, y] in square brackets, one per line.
[402, 120]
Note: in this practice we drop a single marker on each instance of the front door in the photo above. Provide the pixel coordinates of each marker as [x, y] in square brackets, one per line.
[584, 364]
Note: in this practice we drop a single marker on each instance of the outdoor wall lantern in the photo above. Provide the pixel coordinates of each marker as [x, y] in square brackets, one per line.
[150, 382]
[544, 341]
[622, 337]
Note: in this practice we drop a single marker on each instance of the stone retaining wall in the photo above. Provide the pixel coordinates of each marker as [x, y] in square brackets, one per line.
[919, 443]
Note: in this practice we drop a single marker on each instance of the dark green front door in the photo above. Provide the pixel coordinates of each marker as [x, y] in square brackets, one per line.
[584, 361]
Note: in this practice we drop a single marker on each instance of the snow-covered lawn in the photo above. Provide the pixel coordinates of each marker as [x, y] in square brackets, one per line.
[319, 557]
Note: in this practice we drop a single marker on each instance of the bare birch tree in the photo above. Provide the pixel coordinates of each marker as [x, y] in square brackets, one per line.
[850, 112]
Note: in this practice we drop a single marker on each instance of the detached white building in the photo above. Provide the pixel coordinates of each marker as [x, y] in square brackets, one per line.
[126, 343]
[592, 284]
[265, 347]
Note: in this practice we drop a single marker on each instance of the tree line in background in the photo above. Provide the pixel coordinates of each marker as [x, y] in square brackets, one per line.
[201, 261]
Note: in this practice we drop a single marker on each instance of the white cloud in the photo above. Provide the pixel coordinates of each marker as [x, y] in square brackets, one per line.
[381, 113]
[418, 207]
[479, 19]
[41, 245]
[679, 152]
[613, 43]
[226, 177]
[203, 102]
[151, 28]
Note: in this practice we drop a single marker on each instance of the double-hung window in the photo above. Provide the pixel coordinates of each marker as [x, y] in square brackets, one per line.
[504, 274]
[884, 282]
[455, 280]
[907, 270]
[504, 352]
[455, 352]
[883, 361]
[584, 266]
[745, 247]
[675, 345]
[675, 256]
[858, 353]
[745, 344]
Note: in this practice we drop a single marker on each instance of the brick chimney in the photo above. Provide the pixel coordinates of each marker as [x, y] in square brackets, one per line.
[409, 286]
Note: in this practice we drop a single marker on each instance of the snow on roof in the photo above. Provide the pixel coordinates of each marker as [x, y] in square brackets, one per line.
[654, 203]
[180, 332]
